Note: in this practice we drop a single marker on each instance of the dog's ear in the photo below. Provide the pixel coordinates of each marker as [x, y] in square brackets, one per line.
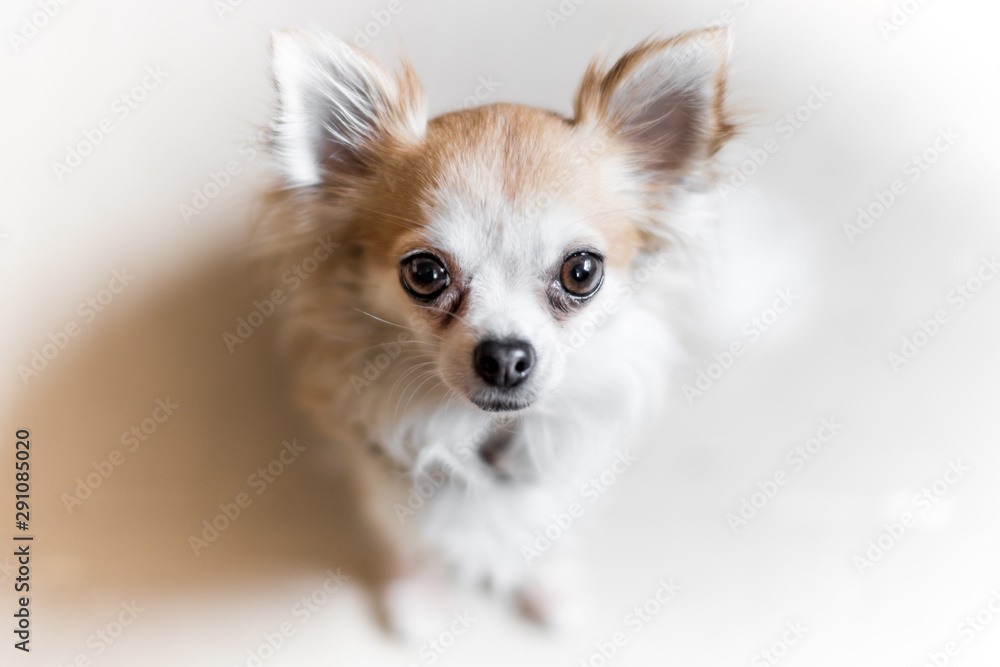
[664, 99]
[339, 109]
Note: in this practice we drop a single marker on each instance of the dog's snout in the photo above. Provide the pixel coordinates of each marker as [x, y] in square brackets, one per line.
[504, 363]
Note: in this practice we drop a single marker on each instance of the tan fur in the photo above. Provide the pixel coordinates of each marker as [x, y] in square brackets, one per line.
[598, 82]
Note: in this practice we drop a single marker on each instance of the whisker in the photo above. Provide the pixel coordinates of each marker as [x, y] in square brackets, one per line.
[435, 345]
[455, 315]
[422, 374]
[447, 396]
[376, 317]
[416, 225]
[413, 394]
[401, 326]
[407, 372]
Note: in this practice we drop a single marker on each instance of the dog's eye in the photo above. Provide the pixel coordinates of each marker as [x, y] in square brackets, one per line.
[423, 276]
[582, 274]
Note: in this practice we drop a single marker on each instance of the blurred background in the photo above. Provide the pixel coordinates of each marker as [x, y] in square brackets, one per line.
[829, 497]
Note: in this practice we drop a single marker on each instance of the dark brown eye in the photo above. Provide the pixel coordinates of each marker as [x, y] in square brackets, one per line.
[423, 276]
[582, 274]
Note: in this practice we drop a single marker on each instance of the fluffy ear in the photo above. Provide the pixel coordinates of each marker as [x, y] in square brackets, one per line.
[665, 98]
[338, 108]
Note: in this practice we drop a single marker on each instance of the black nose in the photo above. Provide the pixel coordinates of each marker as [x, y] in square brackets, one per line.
[504, 363]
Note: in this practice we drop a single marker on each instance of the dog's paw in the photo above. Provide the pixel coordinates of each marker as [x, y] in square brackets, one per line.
[556, 600]
[413, 607]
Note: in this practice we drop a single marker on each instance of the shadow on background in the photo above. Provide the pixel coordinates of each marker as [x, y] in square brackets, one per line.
[164, 343]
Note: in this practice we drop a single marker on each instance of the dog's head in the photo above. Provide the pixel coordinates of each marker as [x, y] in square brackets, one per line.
[489, 231]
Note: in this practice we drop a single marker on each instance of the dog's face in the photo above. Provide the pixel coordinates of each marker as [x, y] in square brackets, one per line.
[489, 231]
[516, 228]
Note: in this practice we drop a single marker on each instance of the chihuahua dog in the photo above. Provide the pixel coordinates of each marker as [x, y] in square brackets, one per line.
[485, 323]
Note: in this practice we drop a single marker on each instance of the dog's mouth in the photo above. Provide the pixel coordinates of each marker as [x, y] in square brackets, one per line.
[496, 403]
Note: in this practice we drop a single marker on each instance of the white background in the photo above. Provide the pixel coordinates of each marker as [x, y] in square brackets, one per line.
[161, 337]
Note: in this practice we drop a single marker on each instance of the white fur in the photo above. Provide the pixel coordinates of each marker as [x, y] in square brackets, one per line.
[332, 98]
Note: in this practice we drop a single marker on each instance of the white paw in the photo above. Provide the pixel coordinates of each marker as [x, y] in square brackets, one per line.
[414, 607]
[557, 600]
